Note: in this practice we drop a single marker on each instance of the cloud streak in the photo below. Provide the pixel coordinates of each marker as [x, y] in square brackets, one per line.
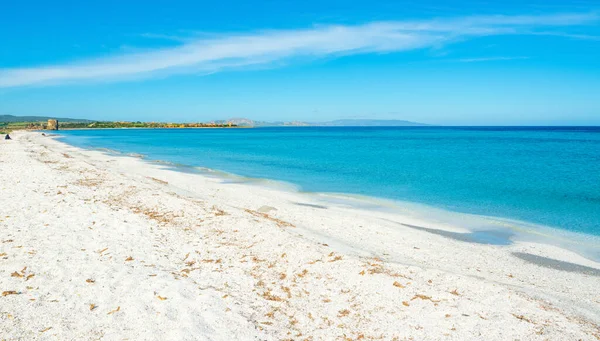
[209, 55]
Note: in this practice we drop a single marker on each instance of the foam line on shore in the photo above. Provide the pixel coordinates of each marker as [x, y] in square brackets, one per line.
[464, 226]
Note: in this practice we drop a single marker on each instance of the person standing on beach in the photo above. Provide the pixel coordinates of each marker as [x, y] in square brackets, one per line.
[7, 137]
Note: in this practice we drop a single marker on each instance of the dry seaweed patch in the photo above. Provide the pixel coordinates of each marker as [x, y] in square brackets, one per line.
[378, 268]
[162, 218]
[89, 182]
[268, 295]
[287, 291]
[302, 274]
[218, 212]
[279, 222]
[344, 312]
[21, 274]
[158, 180]
[523, 318]
[398, 285]
[16, 274]
[114, 311]
[334, 259]
[9, 292]
[424, 298]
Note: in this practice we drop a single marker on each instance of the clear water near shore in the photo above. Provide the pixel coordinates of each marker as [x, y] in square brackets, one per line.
[542, 175]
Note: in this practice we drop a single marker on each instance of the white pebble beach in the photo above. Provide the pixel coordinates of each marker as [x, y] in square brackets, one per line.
[95, 246]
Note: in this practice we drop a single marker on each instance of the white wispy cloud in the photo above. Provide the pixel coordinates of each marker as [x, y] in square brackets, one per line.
[575, 36]
[208, 55]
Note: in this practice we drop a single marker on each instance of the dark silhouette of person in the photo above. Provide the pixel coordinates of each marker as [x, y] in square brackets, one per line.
[7, 137]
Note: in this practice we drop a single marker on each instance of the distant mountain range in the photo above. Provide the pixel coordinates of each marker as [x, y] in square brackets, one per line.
[13, 119]
[245, 122]
[371, 123]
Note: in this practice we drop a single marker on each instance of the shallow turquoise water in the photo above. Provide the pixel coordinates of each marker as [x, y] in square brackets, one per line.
[548, 176]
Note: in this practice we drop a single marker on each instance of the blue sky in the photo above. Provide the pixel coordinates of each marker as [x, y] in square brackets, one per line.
[468, 62]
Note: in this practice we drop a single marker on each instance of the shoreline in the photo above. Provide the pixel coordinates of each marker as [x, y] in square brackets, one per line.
[481, 229]
[270, 264]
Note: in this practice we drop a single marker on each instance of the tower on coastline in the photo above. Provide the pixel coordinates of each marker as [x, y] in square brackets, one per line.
[52, 125]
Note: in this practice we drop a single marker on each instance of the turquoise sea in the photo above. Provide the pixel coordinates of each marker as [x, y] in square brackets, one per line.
[547, 176]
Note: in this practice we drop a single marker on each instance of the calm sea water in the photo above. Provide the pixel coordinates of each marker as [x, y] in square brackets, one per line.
[548, 176]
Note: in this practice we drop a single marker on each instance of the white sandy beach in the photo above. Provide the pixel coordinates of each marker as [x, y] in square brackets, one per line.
[102, 247]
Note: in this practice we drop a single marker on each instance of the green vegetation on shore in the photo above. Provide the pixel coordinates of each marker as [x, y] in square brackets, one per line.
[6, 127]
[118, 124]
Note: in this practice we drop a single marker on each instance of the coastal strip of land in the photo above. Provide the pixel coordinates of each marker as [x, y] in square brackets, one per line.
[104, 247]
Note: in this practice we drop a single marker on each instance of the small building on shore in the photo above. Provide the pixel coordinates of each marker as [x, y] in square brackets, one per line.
[52, 125]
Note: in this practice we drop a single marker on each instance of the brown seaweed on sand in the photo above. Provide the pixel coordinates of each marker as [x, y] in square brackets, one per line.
[423, 297]
[279, 222]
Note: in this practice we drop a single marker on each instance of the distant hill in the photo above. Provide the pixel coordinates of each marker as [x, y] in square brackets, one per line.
[245, 122]
[371, 123]
[13, 119]
[242, 122]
